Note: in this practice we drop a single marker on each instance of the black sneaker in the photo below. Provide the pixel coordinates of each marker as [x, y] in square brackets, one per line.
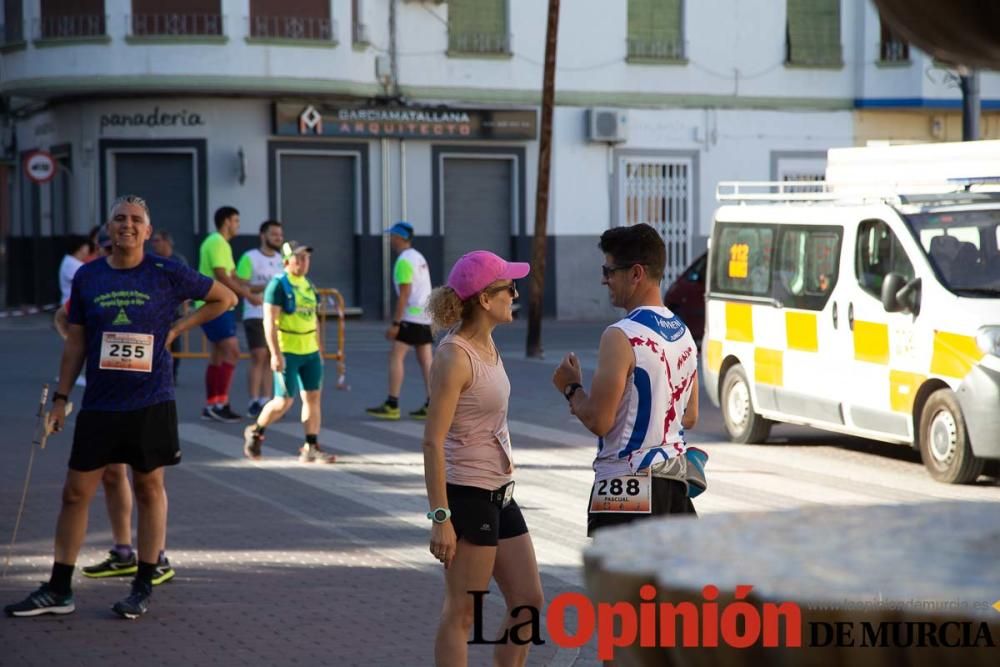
[419, 414]
[42, 601]
[163, 573]
[254, 409]
[208, 413]
[225, 413]
[251, 442]
[137, 603]
[113, 566]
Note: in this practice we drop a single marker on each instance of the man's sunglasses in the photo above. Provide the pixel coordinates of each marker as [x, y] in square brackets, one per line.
[606, 270]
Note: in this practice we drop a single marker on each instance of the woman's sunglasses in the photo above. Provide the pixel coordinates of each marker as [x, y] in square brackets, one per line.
[511, 288]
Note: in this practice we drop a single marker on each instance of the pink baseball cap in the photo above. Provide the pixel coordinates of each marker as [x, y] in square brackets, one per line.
[475, 270]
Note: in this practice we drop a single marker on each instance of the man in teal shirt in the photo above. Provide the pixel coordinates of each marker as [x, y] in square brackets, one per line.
[215, 260]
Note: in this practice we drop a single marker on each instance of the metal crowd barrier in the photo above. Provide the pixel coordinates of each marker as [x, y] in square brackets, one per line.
[194, 343]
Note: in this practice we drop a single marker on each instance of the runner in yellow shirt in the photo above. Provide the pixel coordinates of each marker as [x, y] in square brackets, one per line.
[291, 327]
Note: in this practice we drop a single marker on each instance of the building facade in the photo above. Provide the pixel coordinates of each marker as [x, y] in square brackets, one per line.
[339, 117]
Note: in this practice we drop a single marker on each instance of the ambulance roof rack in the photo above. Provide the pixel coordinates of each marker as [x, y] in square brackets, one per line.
[774, 191]
[916, 193]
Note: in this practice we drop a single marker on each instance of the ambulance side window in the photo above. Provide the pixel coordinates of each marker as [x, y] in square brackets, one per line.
[807, 266]
[742, 259]
[878, 254]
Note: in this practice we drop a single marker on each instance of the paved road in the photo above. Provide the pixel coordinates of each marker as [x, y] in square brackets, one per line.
[282, 564]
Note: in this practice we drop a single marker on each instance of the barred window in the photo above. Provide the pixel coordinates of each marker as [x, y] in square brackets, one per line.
[813, 33]
[655, 30]
[478, 26]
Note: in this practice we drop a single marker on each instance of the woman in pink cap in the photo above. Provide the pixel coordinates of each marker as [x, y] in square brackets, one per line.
[477, 529]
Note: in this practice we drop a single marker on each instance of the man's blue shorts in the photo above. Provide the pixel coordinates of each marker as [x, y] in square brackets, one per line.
[303, 372]
[222, 327]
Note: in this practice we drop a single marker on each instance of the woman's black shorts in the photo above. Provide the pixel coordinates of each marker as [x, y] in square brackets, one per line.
[145, 439]
[480, 520]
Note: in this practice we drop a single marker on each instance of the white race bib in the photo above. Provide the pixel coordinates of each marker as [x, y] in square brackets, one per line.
[126, 352]
[627, 494]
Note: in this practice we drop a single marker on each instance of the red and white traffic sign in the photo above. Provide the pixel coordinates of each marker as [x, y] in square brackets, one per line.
[40, 166]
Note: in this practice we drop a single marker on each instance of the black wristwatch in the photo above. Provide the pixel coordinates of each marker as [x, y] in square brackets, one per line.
[395, 323]
[56, 396]
[570, 389]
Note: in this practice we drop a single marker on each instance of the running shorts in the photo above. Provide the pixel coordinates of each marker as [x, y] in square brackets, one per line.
[480, 519]
[145, 438]
[254, 329]
[303, 372]
[414, 334]
[222, 327]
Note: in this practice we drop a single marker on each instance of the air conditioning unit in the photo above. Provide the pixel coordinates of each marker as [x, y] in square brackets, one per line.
[607, 125]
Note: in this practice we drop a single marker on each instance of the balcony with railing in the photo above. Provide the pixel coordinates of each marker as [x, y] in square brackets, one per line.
[59, 29]
[176, 27]
[478, 43]
[294, 30]
[656, 50]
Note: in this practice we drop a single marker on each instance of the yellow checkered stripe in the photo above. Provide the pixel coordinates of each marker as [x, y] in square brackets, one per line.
[954, 355]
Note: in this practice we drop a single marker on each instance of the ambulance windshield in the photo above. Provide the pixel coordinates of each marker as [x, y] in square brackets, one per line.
[964, 249]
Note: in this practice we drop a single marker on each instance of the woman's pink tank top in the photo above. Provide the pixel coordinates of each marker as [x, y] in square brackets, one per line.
[477, 446]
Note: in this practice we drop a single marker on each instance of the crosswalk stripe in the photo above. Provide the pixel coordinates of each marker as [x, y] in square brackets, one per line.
[407, 508]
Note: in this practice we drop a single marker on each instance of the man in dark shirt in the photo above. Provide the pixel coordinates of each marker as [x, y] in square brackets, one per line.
[121, 323]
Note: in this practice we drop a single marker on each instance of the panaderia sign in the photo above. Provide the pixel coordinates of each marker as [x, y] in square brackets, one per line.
[401, 122]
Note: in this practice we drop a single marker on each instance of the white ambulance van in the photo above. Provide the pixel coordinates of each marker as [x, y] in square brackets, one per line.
[867, 304]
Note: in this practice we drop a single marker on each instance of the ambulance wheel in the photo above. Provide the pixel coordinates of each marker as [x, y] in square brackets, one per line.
[944, 441]
[742, 421]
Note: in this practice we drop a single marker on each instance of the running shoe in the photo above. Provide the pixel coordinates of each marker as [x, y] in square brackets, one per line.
[113, 566]
[227, 414]
[384, 411]
[42, 601]
[419, 414]
[137, 603]
[254, 409]
[314, 454]
[209, 413]
[164, 572]
[251, 442]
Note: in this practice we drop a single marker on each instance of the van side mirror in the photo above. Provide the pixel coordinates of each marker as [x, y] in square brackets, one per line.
[899, 296]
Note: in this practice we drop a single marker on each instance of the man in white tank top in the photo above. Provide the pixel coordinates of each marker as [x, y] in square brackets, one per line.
[644, 392]
[411, 325]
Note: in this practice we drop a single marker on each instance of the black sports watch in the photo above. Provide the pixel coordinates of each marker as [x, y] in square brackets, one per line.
[439, 515]
[56, 396]
[570, 389]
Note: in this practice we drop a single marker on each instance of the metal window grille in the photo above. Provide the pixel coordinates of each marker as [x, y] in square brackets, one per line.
[478, 42]
[70, 26]
[175, 24]
[659, 193]
[292, 27]
[663, 49]
[805, 177]
[892, 47]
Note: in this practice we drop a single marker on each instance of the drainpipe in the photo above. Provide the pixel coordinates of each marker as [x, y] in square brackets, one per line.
[393, 55]
[386, 248]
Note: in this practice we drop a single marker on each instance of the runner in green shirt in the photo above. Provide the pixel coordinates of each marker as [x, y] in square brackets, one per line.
[215, 260]
[291, 327]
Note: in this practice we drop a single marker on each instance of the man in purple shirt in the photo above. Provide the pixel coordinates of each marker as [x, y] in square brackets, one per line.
[121, 323]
